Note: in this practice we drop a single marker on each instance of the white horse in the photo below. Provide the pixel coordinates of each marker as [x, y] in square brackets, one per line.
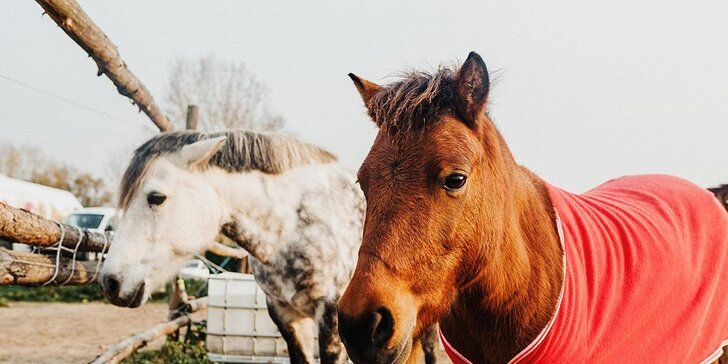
[289, 204]
[296, 210]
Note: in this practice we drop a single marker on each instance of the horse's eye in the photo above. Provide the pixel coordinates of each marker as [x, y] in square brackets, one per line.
[455, 181]
[156, 198]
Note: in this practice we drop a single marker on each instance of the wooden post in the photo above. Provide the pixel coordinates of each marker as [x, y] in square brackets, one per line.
[178, 296]
[77, 25]
[193, 117]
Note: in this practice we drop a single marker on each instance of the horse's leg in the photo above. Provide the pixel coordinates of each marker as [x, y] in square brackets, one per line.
[429, 344]
[331, 349]
[296, 329]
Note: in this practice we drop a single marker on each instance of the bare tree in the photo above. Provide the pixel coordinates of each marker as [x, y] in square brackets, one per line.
[227, 94]
[20, 162]
[91, 190]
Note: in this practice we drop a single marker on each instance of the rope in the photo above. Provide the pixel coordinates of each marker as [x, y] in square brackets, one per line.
[58, 247]
[210, 264]
[75, 252]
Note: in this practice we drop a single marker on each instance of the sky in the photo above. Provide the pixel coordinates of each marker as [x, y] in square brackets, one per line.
[585, 91]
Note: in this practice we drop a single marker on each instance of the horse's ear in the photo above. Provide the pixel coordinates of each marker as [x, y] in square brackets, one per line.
[471, 87]
[198, 153]
[366, 89]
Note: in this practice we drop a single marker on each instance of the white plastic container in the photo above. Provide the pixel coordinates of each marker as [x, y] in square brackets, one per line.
[239, 328]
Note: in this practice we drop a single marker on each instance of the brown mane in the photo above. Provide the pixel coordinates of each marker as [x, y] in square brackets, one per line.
[243, 151]
[415, 100]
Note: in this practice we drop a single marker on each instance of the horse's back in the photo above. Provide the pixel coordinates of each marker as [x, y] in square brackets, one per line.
[646, 256]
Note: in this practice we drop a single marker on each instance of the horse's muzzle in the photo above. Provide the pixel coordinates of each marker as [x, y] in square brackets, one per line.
[111, 286]
[367, 338]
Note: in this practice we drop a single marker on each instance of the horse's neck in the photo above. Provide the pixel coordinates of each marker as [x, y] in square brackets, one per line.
[265, 209]
[514, 295]
[260, 207]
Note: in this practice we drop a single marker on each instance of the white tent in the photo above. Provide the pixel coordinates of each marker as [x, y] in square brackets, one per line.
[45, 201]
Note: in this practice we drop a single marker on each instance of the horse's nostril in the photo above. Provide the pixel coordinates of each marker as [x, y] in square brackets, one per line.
[368, 334]
[111, 286]
[382, 327]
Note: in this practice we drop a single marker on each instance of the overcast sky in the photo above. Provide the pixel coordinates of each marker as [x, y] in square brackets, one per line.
[585, 91]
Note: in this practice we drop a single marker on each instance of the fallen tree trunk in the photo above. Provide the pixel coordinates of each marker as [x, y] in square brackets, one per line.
[77, 25]
[20, 226]
[27, 269]
[126, 347]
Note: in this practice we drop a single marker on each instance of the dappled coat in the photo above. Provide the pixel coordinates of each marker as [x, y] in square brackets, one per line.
[646, 262]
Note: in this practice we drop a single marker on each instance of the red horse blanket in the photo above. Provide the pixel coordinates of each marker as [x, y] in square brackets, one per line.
[646, 276]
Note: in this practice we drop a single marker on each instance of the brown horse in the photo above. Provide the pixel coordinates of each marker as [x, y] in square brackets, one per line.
[457, 233]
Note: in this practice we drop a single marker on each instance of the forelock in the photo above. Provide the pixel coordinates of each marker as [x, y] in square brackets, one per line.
[414, 100]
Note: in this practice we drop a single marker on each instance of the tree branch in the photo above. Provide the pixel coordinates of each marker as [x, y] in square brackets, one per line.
[77, 25]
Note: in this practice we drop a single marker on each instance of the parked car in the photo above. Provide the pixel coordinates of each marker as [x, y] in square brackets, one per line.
[95, 218]
[99, 219]
[195, 269]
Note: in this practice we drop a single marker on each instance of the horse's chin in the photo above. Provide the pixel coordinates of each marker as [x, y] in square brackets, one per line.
[396, 355]
[133, 300]
[139, 298]
[396, 351]
[403, 354]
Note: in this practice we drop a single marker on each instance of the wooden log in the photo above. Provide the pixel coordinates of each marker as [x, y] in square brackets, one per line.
[226, 251]
[128, 346]
[77, 25]
[20, 226]
[28, 269]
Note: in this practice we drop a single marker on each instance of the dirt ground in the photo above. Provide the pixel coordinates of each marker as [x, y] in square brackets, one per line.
[59, 333]
[68, 333]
